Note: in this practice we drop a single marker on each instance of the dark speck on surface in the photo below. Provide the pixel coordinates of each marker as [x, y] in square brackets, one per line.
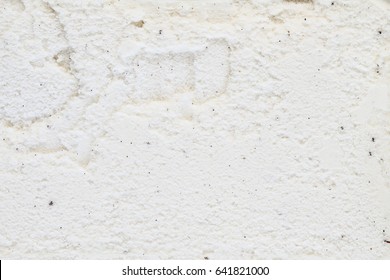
[51, 203]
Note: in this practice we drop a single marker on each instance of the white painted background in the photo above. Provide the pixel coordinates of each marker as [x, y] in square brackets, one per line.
[193, 129]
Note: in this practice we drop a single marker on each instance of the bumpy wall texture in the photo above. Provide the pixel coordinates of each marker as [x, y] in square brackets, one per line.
[191, 129]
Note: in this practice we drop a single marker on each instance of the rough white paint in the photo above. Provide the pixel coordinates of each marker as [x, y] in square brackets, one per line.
[191, 129]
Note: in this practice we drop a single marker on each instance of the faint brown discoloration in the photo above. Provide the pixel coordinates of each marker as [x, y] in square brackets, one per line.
[276, 19]
[139, 23]
[63, 60]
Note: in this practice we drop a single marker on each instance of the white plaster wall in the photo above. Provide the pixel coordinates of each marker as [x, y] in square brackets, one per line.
[192, 129]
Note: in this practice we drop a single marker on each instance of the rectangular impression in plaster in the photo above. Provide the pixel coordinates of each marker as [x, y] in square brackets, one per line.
[203, 71]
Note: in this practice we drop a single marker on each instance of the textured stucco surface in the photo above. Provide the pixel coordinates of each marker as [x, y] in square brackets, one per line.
[192, 129]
